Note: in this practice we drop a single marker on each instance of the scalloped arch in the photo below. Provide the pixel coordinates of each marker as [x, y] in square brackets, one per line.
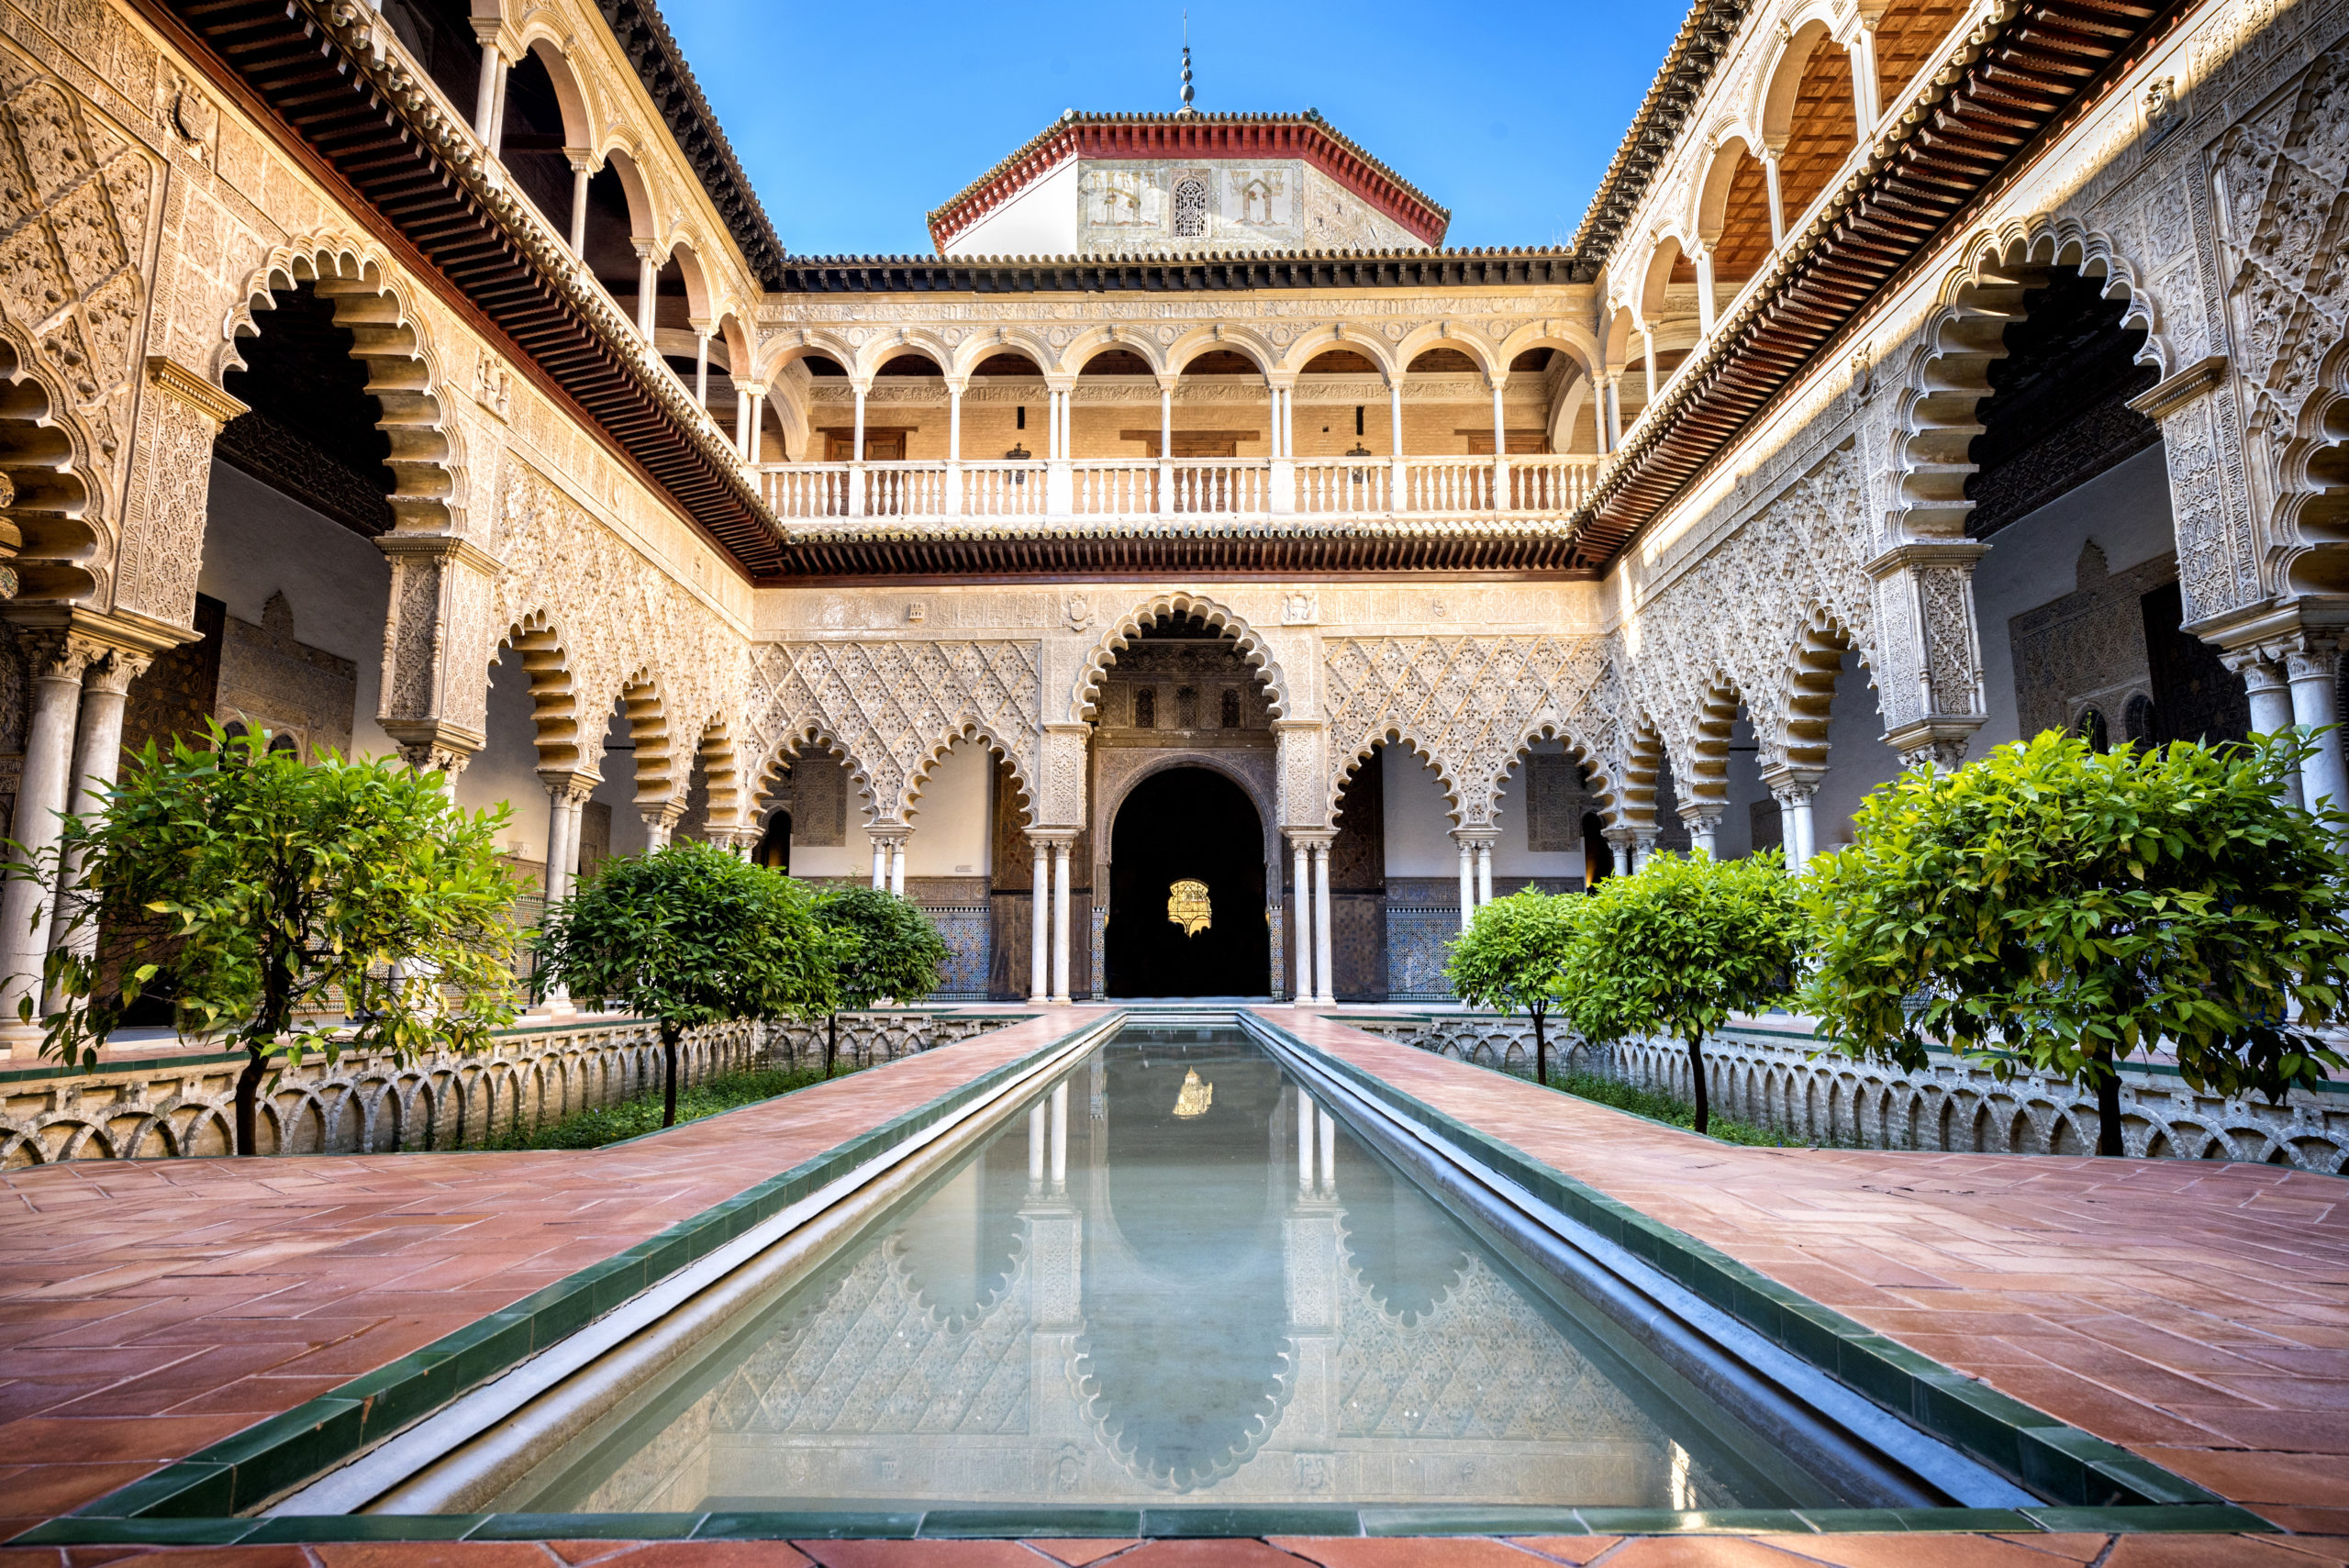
[1947, 375]
[403, 367]
[56, 504]
[1008, 750]
[1392, 736]
[1185, 604]
[538, 641]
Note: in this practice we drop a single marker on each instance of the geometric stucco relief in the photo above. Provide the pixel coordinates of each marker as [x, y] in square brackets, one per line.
[891, 708]
[1471, 705]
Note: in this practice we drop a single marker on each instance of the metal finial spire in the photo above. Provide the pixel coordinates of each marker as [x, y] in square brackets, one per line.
[1186, 107]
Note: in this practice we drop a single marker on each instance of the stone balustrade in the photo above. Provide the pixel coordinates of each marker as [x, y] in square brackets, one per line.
[1521, 487]
[176, 1102]
[1764, 1073]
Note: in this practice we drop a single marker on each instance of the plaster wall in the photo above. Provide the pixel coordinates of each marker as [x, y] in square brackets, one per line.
[949, 818]
[1510, 857]
[504, 771]
[2035, 559]
[258, 542]
[1857, 758]
[1419, 822]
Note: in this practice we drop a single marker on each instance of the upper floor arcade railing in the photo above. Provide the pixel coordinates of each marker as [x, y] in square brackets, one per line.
[1514, 487]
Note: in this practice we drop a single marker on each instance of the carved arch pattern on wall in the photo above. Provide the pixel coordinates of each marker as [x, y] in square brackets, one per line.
[2283, 183]
[624, 622]
[891, 708]
[1016, 753]
[1471, 706]
[79, 206]
[1723, 629]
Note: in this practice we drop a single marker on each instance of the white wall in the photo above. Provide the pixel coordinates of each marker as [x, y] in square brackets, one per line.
[504, 772]
[2035, 559]
[1510, 857]
[1039, 221]
[1735, 838]
[949, 817]
[1419, 818]
[630, 836]
[1857, 758]
[258, 542]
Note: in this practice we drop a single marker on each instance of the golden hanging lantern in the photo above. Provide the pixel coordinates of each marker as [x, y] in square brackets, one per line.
[1196, 1095]
[1188, 906]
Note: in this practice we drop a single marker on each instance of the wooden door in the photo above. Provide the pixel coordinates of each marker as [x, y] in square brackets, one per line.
[880, 446]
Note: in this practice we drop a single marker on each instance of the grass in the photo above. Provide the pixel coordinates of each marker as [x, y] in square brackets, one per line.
[600, 1125]
[1671, 1109]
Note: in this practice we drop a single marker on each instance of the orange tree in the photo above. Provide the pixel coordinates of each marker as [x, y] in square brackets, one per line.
[2057, 908]
[688, 935]
[284, 905]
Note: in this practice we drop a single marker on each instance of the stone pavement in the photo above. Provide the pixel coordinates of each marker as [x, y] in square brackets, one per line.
[1279, 1551]
[150, 1309]
[2195, 1312]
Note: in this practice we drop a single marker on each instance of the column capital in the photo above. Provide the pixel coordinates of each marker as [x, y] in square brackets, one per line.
[1312, 837]
[1704, 815]
[433, 745]
[569, 785]
[668, 814]
[583, 160]
[1469, 837]
[99, 632]
[1046, 837]
[1782, 779]
[889, 832]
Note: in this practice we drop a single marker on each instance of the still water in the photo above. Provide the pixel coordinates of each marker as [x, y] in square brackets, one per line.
[1175, 1277]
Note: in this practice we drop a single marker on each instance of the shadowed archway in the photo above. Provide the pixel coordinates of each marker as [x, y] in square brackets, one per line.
[1187, 824]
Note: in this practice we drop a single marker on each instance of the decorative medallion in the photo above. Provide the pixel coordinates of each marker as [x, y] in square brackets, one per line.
[1188, 906]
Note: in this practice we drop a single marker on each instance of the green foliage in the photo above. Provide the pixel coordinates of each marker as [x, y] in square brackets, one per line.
[1671, 1109]
[1514, 957]
[888, 948]
[1677, 947]
[256, 892]
[692, 935]
[2058, 908]
[640, 1114]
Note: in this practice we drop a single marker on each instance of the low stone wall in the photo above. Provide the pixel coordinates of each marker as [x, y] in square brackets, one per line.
[1765, 1075]
[368, 1103]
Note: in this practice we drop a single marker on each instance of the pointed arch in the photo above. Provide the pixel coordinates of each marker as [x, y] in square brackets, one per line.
[812, 735]
[1185, 605]
[1605, 780]
[1358, 750]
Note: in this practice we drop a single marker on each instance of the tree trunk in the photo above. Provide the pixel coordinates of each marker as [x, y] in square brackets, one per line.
[2108, 1105]
[669, 1076]
[831, 1042]
[248, 1101]
[1540, 1049]
[1696, 1078]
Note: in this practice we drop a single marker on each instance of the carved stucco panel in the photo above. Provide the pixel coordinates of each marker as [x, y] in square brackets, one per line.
[891, 706]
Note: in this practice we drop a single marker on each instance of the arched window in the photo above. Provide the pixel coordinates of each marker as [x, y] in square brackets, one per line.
[1230, 707]
[2091, 727]
[1597, 855]
[1190, 207]
[1146, 709]
[2139, 722]
[774, 845]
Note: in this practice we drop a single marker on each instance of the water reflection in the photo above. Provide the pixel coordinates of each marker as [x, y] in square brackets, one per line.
[1140, 1292]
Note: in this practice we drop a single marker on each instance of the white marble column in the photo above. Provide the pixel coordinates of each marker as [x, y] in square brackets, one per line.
[1040, 924]
[2270, 693]
[1501, 445]
[880, 862]
[1615, 411]
[1777, 204]
[1167, 491]
[1795, 832]
[1705, 312]
[1302, 938]
[583, 169]
[1867, 97]
[1329, 1130]
[955, 386]
[56, 660]
[2314, 670]
[567, 791]
[486, 93]
[1324, 987]
[1484, 873]
[1060, 848]
[1647, 351]
[98, 757]
[1704, 825]
[897, 867]
[702, 330]
[1467, 882]
[648, 286]
[1038, 1123]
[660, 825]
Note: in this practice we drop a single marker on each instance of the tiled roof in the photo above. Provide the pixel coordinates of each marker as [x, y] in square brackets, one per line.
[1701, 44]
[1079, 133]
[661, 66]
[1495, 266]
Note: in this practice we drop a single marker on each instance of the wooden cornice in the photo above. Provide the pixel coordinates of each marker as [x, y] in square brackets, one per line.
[2019, 79]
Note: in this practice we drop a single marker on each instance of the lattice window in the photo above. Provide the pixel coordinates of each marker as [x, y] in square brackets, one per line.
[1190, 208]
[1231, 708]
[1145, 708]
[1187, 707]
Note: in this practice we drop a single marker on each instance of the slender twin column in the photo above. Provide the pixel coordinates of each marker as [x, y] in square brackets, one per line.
[56, 659]
[583, 169]
[1704, 825]
[567, 791]
[702, 329]
[1301, 880]
[1476, 871]
[1049, 983]
[1311, 851]
[1048, 1140]
[661, 825]
[1793, 790]
[1040, 939]
[889, 857]
[2270, 690]
[648, 286]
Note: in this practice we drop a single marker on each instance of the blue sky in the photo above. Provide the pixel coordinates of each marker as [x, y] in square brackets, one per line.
[854, 120]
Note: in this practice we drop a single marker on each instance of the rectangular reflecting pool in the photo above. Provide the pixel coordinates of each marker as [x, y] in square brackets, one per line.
[1172, 1277]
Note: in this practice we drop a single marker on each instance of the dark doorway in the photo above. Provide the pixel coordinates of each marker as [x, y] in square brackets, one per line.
[1187, 824]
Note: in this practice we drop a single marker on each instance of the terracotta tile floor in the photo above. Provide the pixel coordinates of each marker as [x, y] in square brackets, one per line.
[148, 1309]
[2195, 1312]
